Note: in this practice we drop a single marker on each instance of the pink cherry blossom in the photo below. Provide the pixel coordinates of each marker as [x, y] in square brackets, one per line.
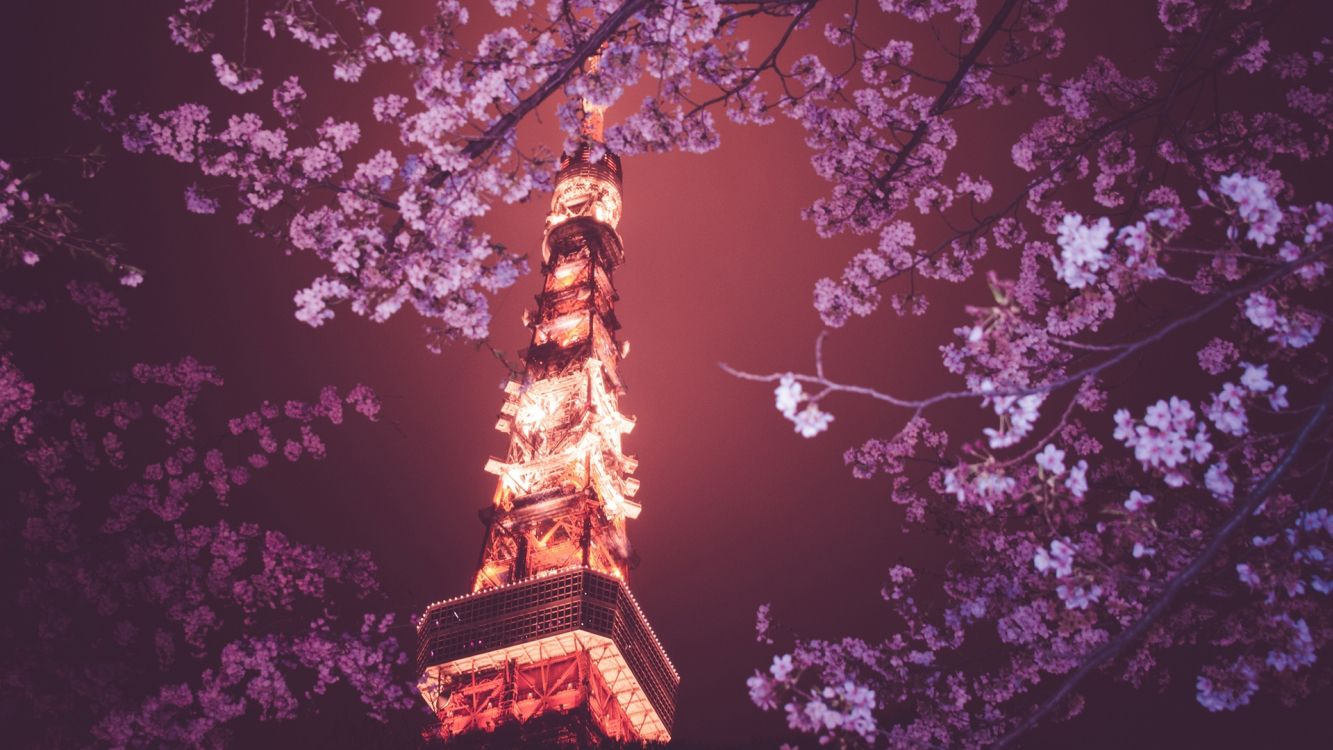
[1059, 560]
[123, 526]
[1081, 250]
[1101, 484]
[1052, 460]
[1137, 500]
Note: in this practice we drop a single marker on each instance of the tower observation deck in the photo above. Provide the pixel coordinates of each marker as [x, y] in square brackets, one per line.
[550, 649]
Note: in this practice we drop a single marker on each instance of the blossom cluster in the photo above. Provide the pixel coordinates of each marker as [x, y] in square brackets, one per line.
[808, 421]
[1113, 481]
[398, 227]
[128, 557]
[833, 711]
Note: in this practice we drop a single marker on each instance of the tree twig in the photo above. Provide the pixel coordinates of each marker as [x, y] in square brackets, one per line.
[1122, 353]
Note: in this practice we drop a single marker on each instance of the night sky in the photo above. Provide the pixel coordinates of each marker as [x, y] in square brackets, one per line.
[738, 510]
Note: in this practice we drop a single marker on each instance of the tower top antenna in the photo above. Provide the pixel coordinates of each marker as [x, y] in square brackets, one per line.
[593, 115]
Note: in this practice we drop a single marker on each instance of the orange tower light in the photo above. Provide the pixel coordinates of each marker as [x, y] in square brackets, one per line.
[551, 649]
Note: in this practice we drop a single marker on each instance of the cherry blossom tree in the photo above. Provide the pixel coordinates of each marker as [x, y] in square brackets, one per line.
[398, 227]
[1097, 526]
[123, 552]
[1151, 206]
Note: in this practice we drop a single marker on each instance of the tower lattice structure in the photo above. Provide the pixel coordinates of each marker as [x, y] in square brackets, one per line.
[551, 648]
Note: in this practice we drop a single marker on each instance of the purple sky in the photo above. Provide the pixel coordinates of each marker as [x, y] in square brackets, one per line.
[737, 509]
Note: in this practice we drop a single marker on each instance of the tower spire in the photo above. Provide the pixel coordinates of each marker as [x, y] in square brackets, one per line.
[593, 115]
[550, 649]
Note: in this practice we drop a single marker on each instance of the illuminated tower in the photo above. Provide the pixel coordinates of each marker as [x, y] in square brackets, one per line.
[550, 649]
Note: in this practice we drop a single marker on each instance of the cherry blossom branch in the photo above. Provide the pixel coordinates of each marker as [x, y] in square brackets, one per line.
[1116, 645]
[945, 99]
[1079, 150]
[574, 62]
[1121, 354]
[769, 62]
[478, 146]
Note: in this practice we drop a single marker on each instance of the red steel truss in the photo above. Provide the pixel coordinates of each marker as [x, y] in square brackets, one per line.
[551, 637]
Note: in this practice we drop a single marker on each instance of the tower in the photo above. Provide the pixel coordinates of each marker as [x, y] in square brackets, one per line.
[551, 649]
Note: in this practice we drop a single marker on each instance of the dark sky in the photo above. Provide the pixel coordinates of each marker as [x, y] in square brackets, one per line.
[738, 510]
